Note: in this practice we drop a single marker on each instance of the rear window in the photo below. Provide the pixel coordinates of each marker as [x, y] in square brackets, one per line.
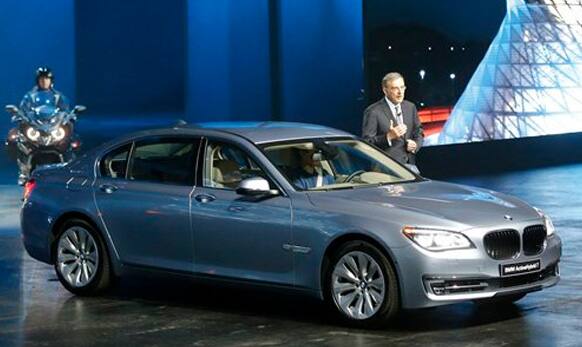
[165, 161]
[114, 164]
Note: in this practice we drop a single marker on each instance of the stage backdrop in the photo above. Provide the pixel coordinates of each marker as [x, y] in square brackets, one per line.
[291, 60]
[131, 56]
[35, 33]
[200, 60]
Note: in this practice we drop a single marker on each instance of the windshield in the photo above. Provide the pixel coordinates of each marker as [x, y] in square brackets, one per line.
[44, 111]
[334, 164]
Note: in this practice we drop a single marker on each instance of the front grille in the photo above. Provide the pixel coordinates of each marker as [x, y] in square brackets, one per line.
[502, 244]
[534, 237]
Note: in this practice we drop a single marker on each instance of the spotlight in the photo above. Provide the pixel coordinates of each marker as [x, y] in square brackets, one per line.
[452, 76]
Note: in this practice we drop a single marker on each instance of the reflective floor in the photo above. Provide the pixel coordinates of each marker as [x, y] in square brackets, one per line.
[36, 310]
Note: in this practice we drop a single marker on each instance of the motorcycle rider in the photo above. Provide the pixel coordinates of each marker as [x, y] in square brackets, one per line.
[42, 97]
[43, 93]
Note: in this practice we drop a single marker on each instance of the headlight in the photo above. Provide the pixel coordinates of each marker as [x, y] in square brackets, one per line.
[58, 134]
[547, 222]
[32, 134]
[437, 240]
[549, 226]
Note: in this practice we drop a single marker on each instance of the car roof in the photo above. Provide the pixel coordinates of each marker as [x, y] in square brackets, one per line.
[255, 132]
[264, 132]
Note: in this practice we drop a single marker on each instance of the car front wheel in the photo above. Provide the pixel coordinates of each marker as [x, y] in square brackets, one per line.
[82, 262]
[361, 284]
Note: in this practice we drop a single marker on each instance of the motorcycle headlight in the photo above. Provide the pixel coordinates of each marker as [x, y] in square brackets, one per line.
[32, 134]
[547, 222]
[437, 240]
[58, 134]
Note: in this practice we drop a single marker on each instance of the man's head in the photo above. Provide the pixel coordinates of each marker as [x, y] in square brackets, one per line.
[393, 87]
[308, 158]
[44, 78]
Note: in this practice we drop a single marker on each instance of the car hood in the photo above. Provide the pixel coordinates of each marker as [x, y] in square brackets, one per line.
[430, 203]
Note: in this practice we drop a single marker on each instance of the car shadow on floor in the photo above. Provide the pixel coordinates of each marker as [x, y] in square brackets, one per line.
[144, 291]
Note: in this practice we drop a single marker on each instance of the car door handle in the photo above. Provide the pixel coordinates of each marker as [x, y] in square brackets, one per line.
[204, 198]
[236, 208]
[108, 188]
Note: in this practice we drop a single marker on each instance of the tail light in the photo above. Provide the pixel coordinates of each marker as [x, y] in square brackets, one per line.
[28, 188]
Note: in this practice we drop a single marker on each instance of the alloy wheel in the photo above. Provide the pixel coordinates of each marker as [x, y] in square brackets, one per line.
[358, 285]
[77, 256]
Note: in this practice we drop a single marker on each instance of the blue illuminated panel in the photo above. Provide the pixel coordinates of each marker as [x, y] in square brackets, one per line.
[35, 33]
[228, 60]
[321, 62]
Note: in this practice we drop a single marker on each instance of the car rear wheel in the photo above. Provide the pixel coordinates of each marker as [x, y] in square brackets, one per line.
[361, 284]
[82, 261]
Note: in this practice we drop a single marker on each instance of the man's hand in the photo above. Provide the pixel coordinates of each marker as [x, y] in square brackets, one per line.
[411, 146]
[396, 131]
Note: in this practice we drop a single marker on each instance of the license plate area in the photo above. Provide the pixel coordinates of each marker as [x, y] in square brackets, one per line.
[520, 268]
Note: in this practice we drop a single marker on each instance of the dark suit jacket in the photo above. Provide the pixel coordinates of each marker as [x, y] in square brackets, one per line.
[377, 123]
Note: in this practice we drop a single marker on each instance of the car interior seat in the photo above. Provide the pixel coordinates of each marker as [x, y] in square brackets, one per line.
[226, 173]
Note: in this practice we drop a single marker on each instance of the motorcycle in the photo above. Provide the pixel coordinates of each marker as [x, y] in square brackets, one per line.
[44, 135]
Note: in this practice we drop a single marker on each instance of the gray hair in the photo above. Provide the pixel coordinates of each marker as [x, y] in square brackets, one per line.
[391, 76]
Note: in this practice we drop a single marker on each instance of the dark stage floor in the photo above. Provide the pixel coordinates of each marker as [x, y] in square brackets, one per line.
[36, 310]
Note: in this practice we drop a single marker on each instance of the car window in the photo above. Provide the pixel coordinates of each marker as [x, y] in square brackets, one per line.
[168, 161]
[334, 164]
[226, 165]
[114, 164]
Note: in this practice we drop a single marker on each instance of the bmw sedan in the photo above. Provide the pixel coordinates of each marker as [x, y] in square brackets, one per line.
[295, 206]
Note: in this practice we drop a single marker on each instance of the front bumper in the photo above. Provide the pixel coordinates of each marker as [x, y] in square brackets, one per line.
[455, 288]
[437, 278]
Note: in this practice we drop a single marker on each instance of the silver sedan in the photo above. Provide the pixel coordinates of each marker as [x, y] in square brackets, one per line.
[284, 205]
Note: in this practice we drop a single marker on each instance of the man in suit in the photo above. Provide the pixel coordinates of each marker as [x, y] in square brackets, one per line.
[392, 123]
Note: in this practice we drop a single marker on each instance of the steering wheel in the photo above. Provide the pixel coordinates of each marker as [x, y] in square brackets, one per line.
[354, 175]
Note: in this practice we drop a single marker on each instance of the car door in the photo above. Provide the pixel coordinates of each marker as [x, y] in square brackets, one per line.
[143, 196]
[238, 236]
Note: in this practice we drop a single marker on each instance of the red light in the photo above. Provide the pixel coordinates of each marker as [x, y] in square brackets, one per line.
[75, 144]
[28, 188]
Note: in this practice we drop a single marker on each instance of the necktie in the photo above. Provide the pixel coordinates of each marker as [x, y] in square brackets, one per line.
[398, 110]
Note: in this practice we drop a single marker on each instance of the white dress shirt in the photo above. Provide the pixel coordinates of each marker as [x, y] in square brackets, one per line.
[394, 109]
[397, 115]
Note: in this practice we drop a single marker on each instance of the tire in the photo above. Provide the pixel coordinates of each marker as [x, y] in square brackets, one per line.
[501, 300]
[82, 262]
[361, 286]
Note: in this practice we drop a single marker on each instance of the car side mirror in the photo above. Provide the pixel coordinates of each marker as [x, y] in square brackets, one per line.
[11, 109]
[256, 186]
[79, 108]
